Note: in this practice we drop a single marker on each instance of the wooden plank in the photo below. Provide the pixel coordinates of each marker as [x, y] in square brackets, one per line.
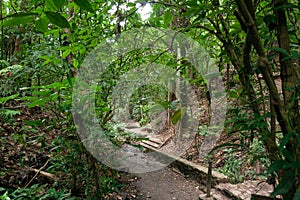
[165, 141]
[153, 144]
[156, 140]
[146, 146]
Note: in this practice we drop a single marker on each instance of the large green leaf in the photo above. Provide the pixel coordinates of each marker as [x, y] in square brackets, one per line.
[57, 19]
[157, 108]
[168, 18]
[278, 165]
[59, 3]
[54, 5]
[285, 184]
[178, 115]
[22, 14]
[164, 104]
[84, 4]
[18, 19]
[49, 5]
[42, 24]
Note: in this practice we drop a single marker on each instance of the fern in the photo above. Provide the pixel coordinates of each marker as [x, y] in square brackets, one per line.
[10, 113]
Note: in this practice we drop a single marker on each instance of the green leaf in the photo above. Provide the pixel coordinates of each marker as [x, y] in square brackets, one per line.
[57, 19]
[50, 5]
[164, 104]
[168, 18]
[70, 80]
[66, 53]
[285, 184]
[287, 58]
[233, 94]
[157, 108]
[275, 166]
[269, 19]
[11, 113]
[5, 99]
[33, 122]
[84, 4]
[38, 102]
[285, 140]
[155, 21]
[59, 3]
[281, 50]
[141, 139]
[281, 164]
[42, 24]
[76, 63]
[22, 14]
[295, 54]
[297, 195]
[15, 21]
[178, 115]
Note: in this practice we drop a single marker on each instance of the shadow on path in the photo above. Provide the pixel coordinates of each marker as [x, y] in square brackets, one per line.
[166, 184]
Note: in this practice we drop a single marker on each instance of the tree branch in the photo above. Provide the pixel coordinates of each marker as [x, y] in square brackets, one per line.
[263, 65]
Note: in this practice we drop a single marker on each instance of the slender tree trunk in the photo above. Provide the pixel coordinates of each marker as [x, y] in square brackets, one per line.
[289, 81]
[19, 38]
[288, 71]
[2, 29]
[178, 88]
[72, 70]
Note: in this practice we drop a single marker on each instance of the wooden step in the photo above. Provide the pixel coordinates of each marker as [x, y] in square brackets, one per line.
[151, 143]
[146, 145]
[156, 140]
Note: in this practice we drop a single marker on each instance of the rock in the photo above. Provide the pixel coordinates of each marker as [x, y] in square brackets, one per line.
[244, 190]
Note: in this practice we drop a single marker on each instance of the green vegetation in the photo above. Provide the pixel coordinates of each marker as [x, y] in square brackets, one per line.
[256, 45]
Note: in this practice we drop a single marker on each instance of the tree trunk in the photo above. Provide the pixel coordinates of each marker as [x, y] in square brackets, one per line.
[2, 29]
[72, 70]
[289, 81]
[19, 38]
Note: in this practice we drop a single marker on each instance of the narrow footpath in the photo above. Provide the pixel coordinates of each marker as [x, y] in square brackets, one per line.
[166, 184]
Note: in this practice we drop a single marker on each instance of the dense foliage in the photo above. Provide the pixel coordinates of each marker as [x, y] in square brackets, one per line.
[256, 45]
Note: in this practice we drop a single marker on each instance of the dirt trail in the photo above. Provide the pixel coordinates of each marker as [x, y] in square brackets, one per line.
[166, 184]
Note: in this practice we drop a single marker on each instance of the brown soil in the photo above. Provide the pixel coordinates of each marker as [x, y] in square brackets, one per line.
[164, 184]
